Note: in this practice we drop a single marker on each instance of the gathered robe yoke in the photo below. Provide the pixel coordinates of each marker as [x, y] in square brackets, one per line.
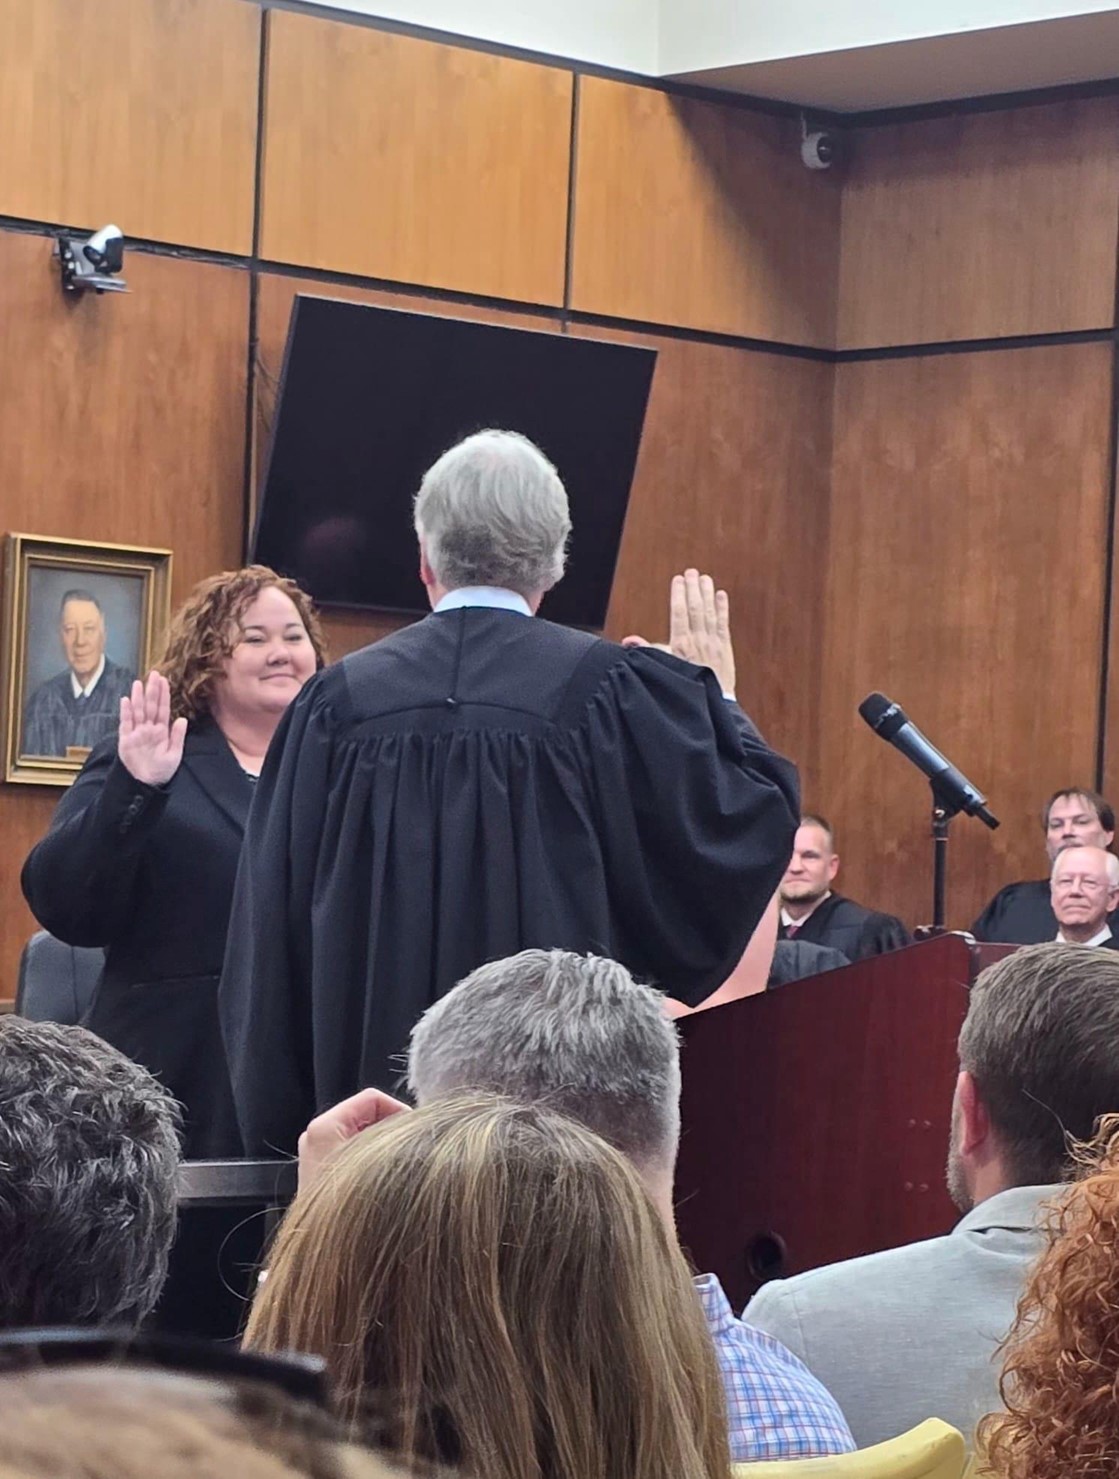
[477, 784]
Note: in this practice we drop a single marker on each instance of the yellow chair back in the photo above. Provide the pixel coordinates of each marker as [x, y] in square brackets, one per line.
[932, 1450]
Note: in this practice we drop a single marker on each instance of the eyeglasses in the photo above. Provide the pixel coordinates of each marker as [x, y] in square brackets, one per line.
[298, 1376]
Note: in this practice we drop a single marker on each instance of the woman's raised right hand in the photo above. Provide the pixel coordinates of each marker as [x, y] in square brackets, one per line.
[150, 746]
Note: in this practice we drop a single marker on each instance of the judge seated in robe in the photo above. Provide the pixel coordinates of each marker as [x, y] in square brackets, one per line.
[812, 911]
[1085, 891]
[1022, 913]
[80, 706]
[481, 783]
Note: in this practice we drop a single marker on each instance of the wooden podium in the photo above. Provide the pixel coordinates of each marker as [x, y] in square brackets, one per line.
[816, 1117]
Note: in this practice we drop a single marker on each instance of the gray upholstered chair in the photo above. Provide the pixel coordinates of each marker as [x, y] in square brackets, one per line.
[56, 981]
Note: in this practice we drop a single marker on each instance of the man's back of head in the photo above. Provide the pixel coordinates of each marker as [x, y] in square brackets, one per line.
[1040, 1046]
[89, 1153]
[492, 511]
[574, 1030]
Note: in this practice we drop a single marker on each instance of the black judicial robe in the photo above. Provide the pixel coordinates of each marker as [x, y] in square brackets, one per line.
[147, 872]
[855, 932]
[54, 719]
[1019, 914]
[477, 784]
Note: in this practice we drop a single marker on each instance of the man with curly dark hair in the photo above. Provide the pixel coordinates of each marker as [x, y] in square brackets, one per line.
[89, 1155]
[913, 1332]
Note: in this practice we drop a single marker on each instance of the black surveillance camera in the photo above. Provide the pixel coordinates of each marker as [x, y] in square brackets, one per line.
[93, 263]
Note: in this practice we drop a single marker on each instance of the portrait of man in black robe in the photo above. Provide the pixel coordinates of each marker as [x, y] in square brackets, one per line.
[483, 782]
[80, 705]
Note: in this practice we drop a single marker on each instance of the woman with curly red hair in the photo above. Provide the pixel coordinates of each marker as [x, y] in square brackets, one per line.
[1060, 1380]
[143, 849]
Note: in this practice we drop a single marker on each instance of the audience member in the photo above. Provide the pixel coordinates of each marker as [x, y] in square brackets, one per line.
[1085, 891]
[143, 848]
[811, 911]
[912, 1332]
[1022, 913]
[108, 1421]
[89, 1157]
[1061, 1371]
[579, 1034]
[491, 1284]
[482, 782]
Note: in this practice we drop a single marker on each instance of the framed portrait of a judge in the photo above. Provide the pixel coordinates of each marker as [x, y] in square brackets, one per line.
[81, 622]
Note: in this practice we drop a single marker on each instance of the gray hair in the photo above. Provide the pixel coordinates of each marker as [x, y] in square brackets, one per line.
[573, 1030]
[89, 1154]
[1112, 862]
[1040, 1041]
[492, 511]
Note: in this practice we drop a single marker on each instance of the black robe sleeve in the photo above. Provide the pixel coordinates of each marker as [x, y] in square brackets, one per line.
[881, 933]
[264, 998]
[698, 817]
[79, 880]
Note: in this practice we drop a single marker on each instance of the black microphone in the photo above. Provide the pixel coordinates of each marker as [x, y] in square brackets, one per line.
[952, 789]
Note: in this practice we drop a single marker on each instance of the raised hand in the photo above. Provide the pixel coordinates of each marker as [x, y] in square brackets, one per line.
[331, 1129]
[150, 747]
[699, 626]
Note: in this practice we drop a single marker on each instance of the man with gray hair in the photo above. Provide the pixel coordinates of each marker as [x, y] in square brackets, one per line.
[1084, 889]
[578, 1033]
[89, 1160]
[481, 783]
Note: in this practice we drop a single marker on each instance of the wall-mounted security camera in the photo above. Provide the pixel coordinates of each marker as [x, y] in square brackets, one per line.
[94, 263]
[817, 150]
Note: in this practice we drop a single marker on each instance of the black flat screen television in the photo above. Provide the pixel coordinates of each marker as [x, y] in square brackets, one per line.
[369, 397]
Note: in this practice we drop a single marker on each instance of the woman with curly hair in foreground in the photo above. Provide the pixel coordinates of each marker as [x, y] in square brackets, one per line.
[1060, 1379]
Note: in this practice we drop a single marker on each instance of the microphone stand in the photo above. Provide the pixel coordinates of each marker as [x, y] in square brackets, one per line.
[942, 813]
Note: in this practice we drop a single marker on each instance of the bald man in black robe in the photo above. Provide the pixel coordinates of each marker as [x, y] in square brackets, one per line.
[482, 782]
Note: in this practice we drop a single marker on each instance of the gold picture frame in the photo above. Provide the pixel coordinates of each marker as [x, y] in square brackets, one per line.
[80, 620]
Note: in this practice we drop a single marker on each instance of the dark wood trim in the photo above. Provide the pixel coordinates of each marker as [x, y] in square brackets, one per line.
[1109, 545]
[972, 346]
[572, 186]
[996, 102]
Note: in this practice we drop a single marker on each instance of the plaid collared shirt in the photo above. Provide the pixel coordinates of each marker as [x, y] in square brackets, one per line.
[776, 1409]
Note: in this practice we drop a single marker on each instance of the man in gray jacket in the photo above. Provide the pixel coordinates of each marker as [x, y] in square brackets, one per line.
[913, 1332]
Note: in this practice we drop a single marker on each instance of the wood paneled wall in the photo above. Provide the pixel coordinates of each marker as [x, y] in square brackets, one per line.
[122, 419]
[931, 524]
[141, 112]
[966, 580]
[694, 214]
[721, 490]
[981, 225]
[396, 158]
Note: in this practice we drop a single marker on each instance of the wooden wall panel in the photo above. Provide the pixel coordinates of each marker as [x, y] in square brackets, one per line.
[694, 214]
[395, 158]
[981, 225]
[121, 418]
[965, 580]
[732, 477]
[141, 112]
[346, 630]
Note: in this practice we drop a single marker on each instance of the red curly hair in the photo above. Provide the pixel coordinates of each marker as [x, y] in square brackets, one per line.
[206, 628]
[1060, 1379]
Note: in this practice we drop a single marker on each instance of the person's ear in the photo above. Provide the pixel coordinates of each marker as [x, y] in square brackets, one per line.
[427, 574]
[833, 867]
[975, 1122]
